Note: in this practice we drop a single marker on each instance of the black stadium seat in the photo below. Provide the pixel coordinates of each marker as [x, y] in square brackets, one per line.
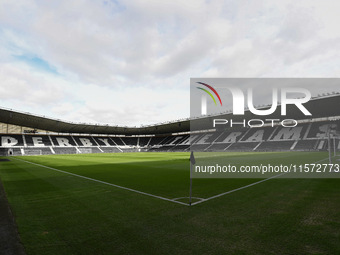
[304, 137]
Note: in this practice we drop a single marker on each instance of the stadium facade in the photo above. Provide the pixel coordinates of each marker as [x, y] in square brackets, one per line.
[27, 134]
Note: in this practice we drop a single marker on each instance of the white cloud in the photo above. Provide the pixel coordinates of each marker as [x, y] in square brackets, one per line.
[129, 106]
[129, 62]
[20, 84]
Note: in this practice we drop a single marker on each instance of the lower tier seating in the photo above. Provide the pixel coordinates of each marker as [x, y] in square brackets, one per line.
[305, 137]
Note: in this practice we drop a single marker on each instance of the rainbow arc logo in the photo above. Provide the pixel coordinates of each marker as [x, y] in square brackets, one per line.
[209, 93]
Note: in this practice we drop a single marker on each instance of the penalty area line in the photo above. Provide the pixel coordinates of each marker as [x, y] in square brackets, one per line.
[106, 183]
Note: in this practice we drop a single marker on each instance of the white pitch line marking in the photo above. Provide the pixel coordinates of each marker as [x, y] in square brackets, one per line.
[244, 187]
[231, 191]
[178, 198]
[159, 197]
[106, 183]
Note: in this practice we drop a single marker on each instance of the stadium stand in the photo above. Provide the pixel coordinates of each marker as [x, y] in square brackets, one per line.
[90, 149]
[157, 140]
[110, 149]
[130, 141]
[304, 137]
[275, 146]
[180, 148]
[305, 145]
[11, 140]
[65, 150]
[218, 147]
[104, 141]
[37, 140]
[143, 141]
[38, 151]
[71, 138]
[63, 141]
[243, 146]
[117, 141]
[84, 141]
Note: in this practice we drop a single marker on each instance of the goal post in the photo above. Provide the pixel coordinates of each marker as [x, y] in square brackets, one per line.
[336, 140]
[32, 152]
[336, 145]
[333, 147]
[84, 150]
[329, 139]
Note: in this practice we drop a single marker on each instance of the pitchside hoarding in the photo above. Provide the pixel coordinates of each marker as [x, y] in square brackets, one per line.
[266, 119]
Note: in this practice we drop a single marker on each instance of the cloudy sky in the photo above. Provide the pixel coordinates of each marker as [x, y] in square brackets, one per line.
[130, 62]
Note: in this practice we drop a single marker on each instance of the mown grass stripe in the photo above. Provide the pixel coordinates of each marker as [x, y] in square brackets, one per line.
[106, 183]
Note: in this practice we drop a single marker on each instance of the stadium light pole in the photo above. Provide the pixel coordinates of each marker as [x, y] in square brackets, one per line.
[192, 163]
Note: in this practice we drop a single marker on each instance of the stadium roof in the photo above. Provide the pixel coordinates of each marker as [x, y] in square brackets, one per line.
[10, 116]
[326, 106]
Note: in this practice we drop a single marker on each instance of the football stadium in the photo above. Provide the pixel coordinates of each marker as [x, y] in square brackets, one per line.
[197, 127]
[83, 189]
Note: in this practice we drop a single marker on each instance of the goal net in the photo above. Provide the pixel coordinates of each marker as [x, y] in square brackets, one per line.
[85, 150]
[335, 145]
[33, 152]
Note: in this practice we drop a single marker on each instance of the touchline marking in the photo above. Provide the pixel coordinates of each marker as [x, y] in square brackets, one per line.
[159, 197]
[244, 187]
[107, 183]
[231, 191]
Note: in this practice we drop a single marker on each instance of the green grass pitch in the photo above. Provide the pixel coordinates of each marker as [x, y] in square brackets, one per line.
[60, 213]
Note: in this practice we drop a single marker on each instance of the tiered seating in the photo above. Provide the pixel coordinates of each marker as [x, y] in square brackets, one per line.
[286, 133]
[155, 149]
[177, 139]
[37, 140]
[130, 141]
[157, 140]
[305, 145]
[14, 151]
[37, 150]
[308, 136]
[275, 146]
[166, 140]
[321, 129]
[104, 141]
[84, 141]
[242, 146]
[218, 147]
[199, 147]
[124, 149]
[3, 151]
[230, 137]
[11, 140]
[117, 141]
[110, 149]
[257, 134]
[180, 148]
[63, 141]
[90, 149]
[65, 150]
[213, 136]
[143, 141]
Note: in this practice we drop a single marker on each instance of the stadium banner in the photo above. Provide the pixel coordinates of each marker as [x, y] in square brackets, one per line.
[265, 127]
